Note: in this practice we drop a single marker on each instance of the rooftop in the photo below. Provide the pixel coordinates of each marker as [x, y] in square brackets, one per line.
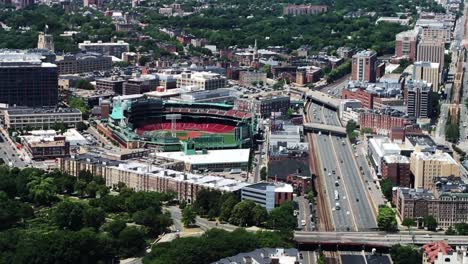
[394, 158]
[364, 53]
[416, 193]
[263, 256]
[15, 59]
[100, 43]
[212, 156]
[38, 111]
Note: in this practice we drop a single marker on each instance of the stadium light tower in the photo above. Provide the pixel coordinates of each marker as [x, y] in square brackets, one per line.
[173, 118]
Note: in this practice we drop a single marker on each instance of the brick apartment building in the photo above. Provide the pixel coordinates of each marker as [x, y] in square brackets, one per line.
[364, 66]
[366, 99]
[382, 121]
[397, 169]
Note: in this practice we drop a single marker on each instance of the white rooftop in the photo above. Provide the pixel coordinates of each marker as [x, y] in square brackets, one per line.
[212, 157]
[216, 182]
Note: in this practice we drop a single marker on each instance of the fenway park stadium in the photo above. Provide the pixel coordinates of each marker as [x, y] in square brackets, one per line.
[168, 125]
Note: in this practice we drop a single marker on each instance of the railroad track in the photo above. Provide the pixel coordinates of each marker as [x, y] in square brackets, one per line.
[325, 223]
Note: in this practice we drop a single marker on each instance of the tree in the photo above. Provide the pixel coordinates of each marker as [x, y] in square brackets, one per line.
[387, 188]
[84, 84]
[386, 220]
[80, 187]
[350, 130]
[290, 112]
[69, 215]
[91, 189]
[81, 126]
[310, 196]
[143, 60]
[227, 207]
[65, 183]
[402, 254]
[259, 215]
[94, 217]
[241, 214]
[409, 222]
[188, 216]
[153, 219]
[208, 200]
[430, 223]
[182, 205]
[85, 175]
[42, 190]
[462, 229]
[131, 242]
[450, 231]
[263, 173]
[366, 130]
[282, 217]
[115, 227]
[60, 127]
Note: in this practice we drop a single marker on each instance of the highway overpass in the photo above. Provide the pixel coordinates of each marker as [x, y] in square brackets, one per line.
[334, 130]
[373, 239]
[323, 99]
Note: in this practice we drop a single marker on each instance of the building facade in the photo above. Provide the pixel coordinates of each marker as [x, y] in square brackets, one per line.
[43, 118]
[406, 44]
[427, 167]
[27, 81]
[429, 72]
[201, 80]
[432, 51]
[56, 147]
[382, 121]
[419, 99]
[364, 66]
[397, 169]
[304, 9]
[268, 195]
[83, 62]
[105, 48]
[247, 78]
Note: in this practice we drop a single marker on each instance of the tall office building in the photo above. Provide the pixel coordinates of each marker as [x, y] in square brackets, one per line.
[419, 99]
[432, 51]
[406, 44]
[429, 72]
[27, 81]
[364, 66]
[45, 40]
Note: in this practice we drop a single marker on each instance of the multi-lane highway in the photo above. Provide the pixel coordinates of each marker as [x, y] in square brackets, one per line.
[342, 215]
[340, 174]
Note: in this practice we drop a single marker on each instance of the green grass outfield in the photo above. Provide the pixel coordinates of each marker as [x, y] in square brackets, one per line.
[229, 138]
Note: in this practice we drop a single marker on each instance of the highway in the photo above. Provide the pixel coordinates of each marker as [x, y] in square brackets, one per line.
[342, 218]
[374, 238]
[359, 200]
[335, 154]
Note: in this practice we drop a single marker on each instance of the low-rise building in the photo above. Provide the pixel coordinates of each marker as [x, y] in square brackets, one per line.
[140, 84]
[42, 148]
[105, 48]
[433, 250]
[247, 78]
[382, 121]
[112, 83]
[83, 62]
[201, 80]
[268, 195]
[264, 106]
[264, 255]
[145, 177]
[447, 203]
[41, 118]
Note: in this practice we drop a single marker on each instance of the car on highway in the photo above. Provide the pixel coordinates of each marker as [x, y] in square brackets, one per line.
[337, 206]
[337, 195]
[303, 222]
[337, 183]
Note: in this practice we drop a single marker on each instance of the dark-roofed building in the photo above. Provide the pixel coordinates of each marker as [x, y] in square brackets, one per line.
[83, 62]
